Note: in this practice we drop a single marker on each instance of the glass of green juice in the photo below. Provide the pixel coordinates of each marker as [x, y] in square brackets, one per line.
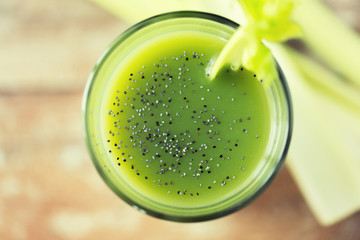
[168, 140]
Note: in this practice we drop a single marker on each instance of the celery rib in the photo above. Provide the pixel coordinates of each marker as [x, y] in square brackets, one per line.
[336, 43]
[324, 156]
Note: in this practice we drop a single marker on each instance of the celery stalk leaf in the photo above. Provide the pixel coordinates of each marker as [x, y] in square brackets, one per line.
[271, 19]
[267, 20]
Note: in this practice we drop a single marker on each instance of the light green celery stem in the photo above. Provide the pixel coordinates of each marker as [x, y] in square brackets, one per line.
[336, 43]
[326, 82]
[324, 154]
[134, 11]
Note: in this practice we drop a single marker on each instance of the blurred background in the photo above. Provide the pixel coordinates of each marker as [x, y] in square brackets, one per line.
[49, 188]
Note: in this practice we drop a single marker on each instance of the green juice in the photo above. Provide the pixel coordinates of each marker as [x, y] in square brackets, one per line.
[170, 141]
[173, 135]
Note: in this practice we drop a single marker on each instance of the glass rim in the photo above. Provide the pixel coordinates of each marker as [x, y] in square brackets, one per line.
[142, 207]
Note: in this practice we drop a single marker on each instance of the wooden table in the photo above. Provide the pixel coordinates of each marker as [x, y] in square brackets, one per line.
[49, 188]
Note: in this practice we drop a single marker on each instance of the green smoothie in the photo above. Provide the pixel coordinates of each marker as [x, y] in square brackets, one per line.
[173, 135]
[170, 141]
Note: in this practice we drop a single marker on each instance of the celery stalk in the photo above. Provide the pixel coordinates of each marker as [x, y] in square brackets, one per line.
[336, 43]
[324, 155]
[137, 10]
[326, 82]
[266, 20]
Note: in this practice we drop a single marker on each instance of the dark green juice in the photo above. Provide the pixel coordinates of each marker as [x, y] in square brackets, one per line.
[175, 136]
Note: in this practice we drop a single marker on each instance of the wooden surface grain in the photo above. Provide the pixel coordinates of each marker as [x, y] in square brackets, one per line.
[49, 188]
